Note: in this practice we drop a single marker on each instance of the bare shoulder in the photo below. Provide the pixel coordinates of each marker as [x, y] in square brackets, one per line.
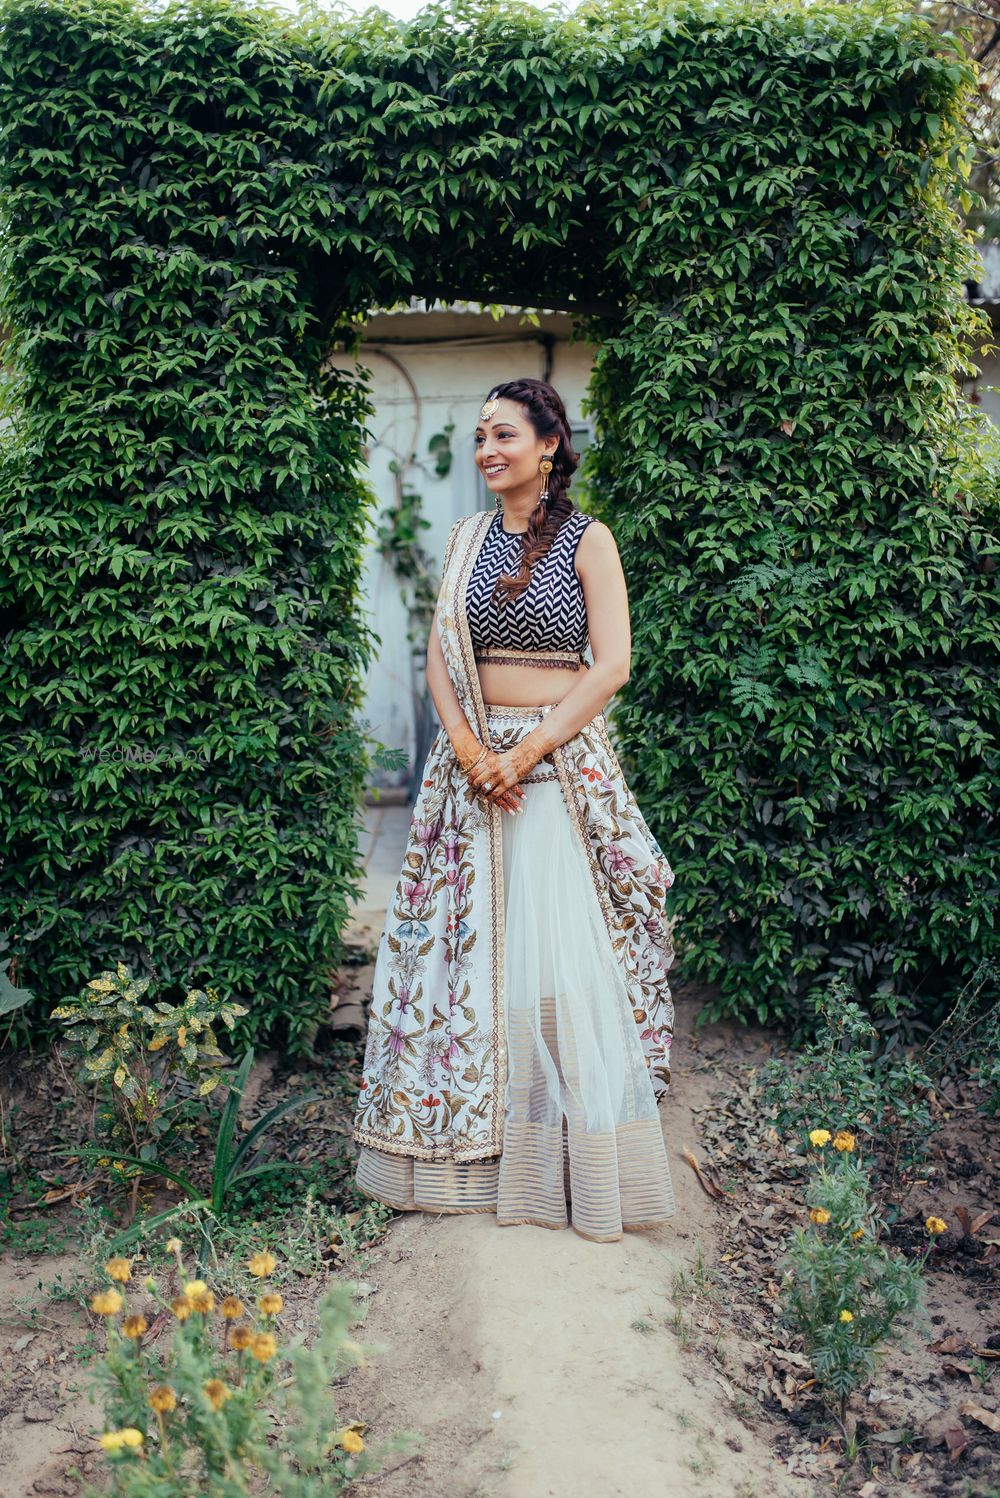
[596, 549]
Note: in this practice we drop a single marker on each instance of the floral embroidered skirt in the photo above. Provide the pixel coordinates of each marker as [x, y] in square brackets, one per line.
[582, 1143]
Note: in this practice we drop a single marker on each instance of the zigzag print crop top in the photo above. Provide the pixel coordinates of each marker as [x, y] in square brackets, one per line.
[551, 613]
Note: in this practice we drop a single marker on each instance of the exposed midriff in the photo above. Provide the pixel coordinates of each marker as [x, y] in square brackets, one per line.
[524, 686]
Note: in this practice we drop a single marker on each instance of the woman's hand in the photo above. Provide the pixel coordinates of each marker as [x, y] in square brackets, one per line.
[498, 775]
[507, 799]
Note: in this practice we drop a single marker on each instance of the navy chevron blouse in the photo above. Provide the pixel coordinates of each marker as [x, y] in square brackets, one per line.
[551, 613]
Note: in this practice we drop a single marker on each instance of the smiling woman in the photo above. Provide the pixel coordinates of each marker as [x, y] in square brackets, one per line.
[528, 593]
[521, 1020]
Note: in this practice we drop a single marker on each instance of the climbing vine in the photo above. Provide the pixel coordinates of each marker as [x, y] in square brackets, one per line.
[752, 211]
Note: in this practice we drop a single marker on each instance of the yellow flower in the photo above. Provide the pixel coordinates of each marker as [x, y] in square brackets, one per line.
[936, 1225]
[349, 1440]
[240, 1338]
[194, 1288]
[232, 1308]
[114, 1440]
[163, 1399]
[847, 1315]
[107, 1302]
[181, 1307]
[172, 1246]
[271, 1304]
[217, 1393]
[263, 1347]
[205, 1302]
[134, 1326]
[860, 1233]
[843, 1140]
[118, 1269]
[819, 1136]
[262, 1264]
[819, 1214]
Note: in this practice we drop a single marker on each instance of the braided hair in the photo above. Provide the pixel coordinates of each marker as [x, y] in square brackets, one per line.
[547, 414]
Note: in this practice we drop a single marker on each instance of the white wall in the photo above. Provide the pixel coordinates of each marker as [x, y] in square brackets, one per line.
[428, 369]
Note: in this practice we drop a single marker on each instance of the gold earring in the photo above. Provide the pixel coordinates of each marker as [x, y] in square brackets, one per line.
[544, 468]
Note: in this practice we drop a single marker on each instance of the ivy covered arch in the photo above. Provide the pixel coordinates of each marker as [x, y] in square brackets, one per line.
[749, 210]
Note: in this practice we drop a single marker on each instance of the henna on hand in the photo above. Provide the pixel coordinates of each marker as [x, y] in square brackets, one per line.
[501, 773]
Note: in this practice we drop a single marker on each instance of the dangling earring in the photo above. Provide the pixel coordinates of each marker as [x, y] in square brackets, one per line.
[544, 468]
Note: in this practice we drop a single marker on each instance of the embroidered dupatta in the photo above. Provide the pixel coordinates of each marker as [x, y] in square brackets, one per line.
[435, 1065]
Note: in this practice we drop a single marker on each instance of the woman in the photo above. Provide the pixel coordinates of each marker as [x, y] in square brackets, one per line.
[521, 1021]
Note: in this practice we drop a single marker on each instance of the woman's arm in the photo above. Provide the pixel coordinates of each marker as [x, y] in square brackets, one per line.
[606, 597]
[456, 725]
[464, 741]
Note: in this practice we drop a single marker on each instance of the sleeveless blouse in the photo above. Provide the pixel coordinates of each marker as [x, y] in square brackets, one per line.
[551, 613]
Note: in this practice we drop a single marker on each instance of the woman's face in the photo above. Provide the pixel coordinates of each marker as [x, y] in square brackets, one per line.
[508, 451]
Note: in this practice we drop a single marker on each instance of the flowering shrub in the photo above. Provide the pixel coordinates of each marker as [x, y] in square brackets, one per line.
[882, 1098]
[225, 1405]
[841, 1288]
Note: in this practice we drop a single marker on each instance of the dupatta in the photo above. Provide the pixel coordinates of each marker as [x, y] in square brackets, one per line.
[435, 1065]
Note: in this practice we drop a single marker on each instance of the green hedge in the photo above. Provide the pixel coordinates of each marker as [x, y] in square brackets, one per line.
[752, 206]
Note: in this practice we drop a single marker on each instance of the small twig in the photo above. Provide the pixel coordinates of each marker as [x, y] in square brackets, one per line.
[70, 1191]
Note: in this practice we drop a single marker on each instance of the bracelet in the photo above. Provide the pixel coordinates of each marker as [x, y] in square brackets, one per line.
[467, 769]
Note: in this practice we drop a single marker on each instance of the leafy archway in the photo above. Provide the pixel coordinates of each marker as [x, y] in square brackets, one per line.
[748, 209]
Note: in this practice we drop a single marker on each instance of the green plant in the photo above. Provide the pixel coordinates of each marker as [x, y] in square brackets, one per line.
[841, 1080]
[398, 539]
[224, 1406]
[228, 1169]
[154, 1057]
[11, 998]
[154, 1063]
[841, 1288]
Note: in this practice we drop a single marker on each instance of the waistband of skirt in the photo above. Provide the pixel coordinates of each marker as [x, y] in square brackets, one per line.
[510, 710]
[568, 659]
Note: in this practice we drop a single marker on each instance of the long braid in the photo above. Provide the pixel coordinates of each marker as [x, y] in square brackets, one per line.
[547, 415]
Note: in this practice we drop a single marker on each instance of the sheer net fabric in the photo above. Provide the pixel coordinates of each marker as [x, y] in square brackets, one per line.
[583, 1145]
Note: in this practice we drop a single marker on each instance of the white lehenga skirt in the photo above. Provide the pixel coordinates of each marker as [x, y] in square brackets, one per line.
[583, 1145]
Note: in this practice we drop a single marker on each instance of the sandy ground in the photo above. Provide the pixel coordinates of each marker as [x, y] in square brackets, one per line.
[538, 1364]
[47, 1419]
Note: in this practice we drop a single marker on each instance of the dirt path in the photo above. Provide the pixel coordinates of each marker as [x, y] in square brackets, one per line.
[46, 1417]
[538, 1364]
